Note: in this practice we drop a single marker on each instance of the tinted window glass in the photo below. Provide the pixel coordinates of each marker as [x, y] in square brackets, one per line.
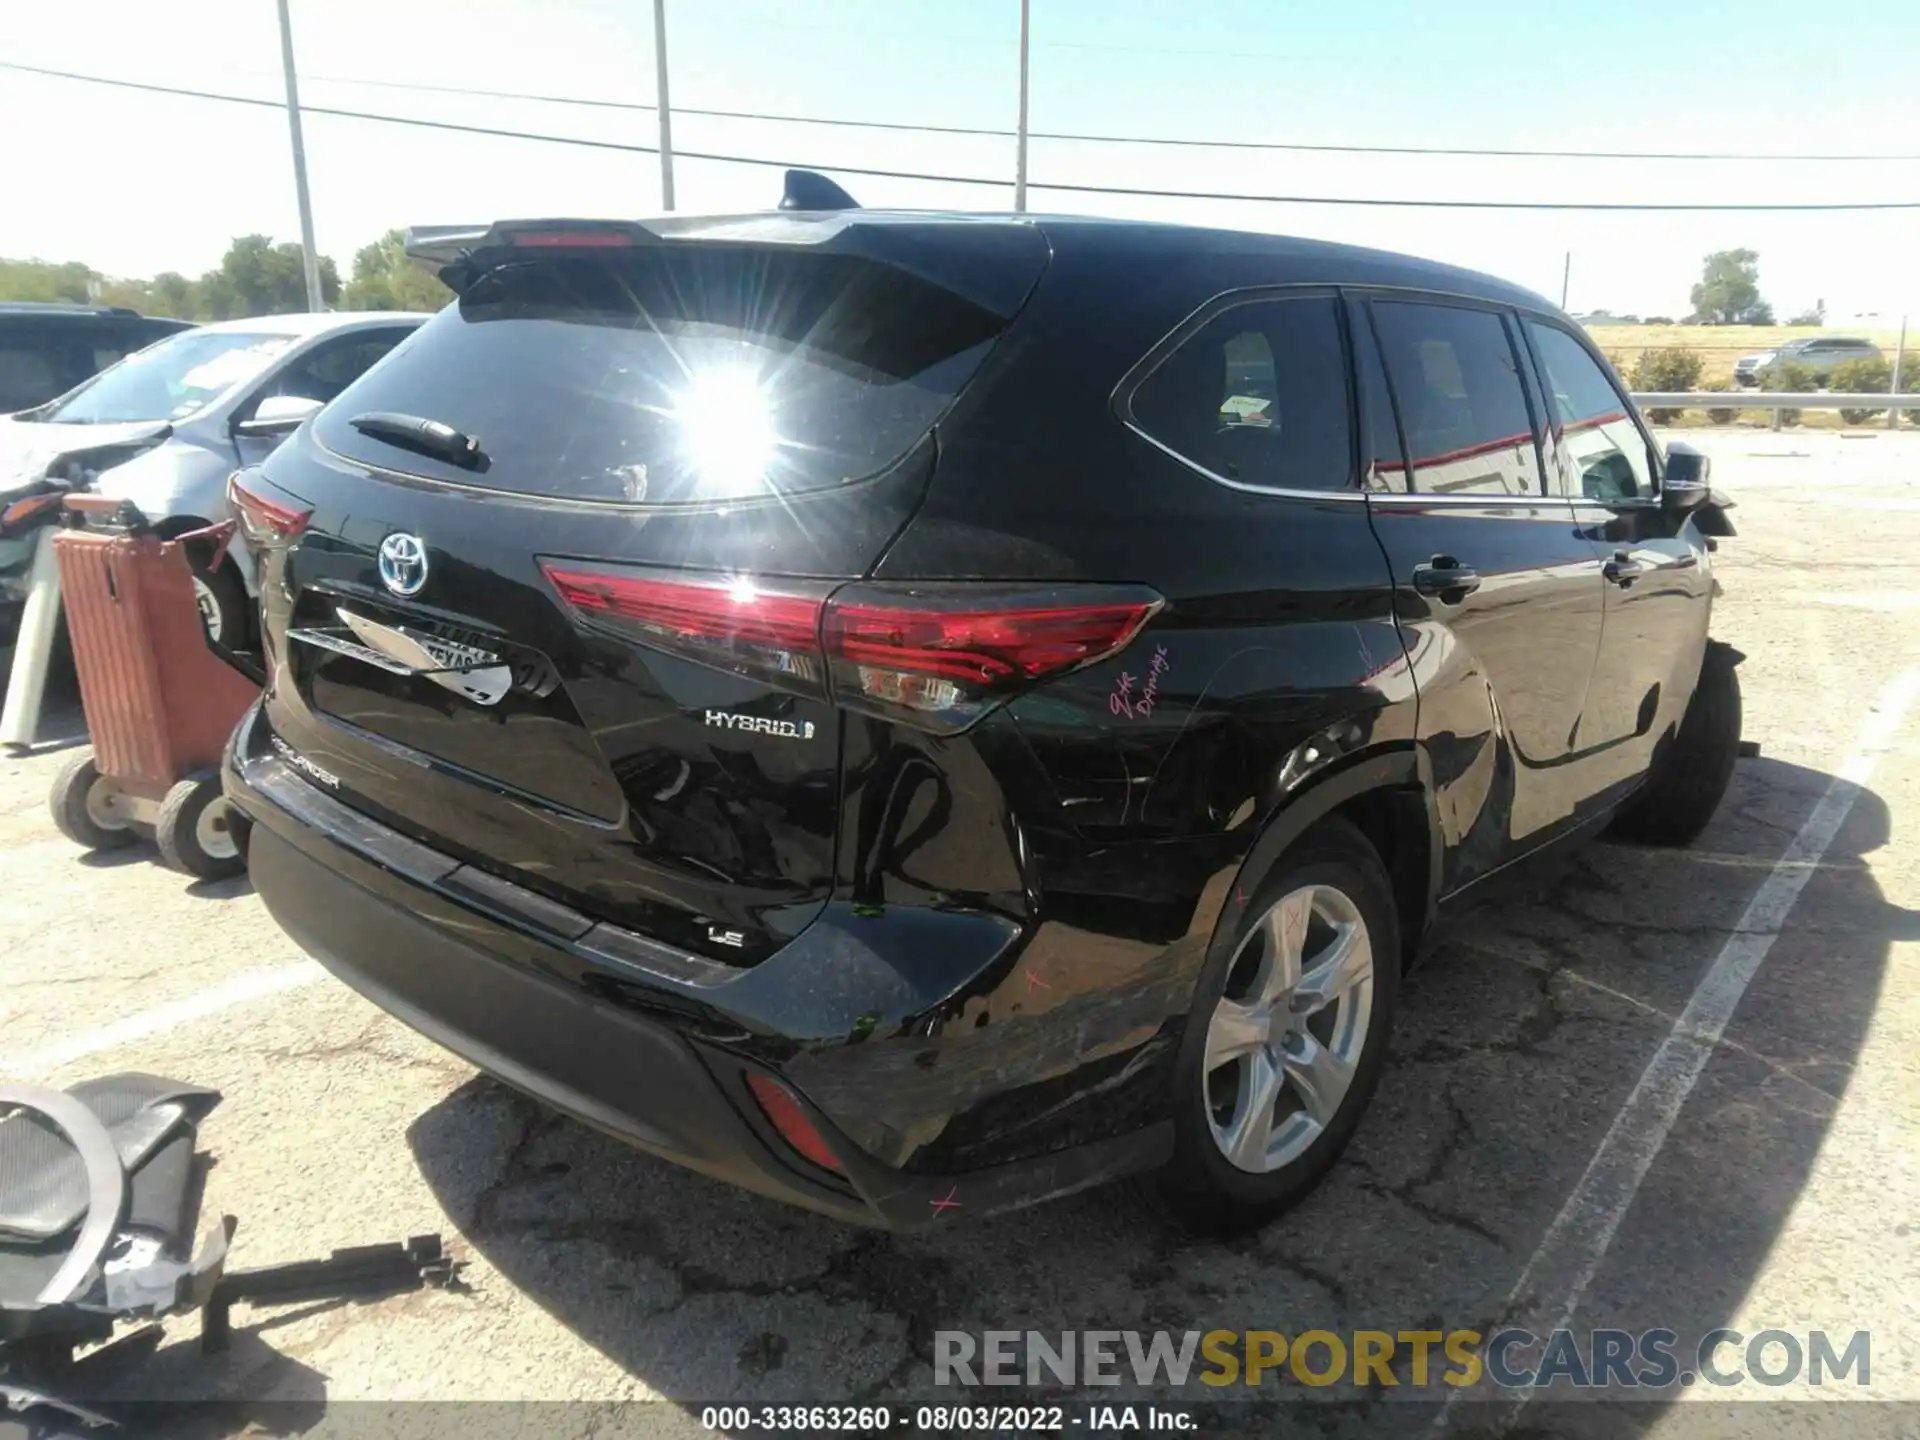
[1590, 420]
[1257, 395]
[1461, 404]
[678, 374]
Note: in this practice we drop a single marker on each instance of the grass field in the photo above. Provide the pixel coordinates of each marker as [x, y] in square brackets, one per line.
[1720, 345]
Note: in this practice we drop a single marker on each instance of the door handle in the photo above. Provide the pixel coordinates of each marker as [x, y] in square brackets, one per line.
[1623, 569]
[1446, 579]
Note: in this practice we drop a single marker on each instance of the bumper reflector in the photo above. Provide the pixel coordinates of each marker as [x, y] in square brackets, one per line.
[784, 1113]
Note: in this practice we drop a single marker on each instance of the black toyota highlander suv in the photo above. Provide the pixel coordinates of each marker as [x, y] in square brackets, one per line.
[915, 713]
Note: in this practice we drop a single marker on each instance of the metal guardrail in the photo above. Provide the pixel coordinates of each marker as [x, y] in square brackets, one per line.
[1774, 400]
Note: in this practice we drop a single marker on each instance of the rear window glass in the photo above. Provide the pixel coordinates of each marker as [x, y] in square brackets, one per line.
[677, 375]
[1258, 396]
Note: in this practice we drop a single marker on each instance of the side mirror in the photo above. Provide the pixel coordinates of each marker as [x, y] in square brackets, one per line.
[277, 415]
[1683, 484]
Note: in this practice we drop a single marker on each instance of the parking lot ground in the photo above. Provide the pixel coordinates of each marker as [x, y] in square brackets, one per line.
[1638, 1088]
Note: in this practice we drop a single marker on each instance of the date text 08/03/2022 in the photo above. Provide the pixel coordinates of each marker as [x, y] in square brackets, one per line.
[945, 1419]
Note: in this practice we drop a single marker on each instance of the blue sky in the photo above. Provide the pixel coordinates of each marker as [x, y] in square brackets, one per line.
[134, 183]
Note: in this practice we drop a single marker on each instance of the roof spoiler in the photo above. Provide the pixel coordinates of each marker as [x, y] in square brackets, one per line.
[451, 251]
[809, 190]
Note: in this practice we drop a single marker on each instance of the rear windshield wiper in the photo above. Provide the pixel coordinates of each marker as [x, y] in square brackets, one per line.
[428, 437]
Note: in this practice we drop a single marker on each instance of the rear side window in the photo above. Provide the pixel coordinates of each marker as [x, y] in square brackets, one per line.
[1590, 420]
[677, 374]
[1257, 396]
[1457, 382]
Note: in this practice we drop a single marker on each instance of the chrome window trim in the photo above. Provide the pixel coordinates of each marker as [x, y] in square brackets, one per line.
[1350, 492]
[1482, 499]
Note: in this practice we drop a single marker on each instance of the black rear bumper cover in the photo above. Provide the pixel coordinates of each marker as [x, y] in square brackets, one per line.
[480, 988]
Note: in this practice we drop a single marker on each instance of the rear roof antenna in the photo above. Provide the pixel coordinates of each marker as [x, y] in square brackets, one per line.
[807, 190]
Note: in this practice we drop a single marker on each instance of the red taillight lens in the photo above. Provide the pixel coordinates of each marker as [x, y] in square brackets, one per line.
[783, 1111]
[948, 653]
[265, 521]
[935, 655]
[767, 629]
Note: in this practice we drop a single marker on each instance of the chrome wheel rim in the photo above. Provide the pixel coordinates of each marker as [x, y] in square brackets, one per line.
[213, 831]
[209, 608]
[1285, 1038]
[101, 807]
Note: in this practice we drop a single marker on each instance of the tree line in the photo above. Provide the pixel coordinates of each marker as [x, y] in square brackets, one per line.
[255, 277]
[258, 277]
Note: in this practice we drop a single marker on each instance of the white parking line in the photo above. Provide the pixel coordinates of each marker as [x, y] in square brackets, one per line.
[1563, 1265]
[253, 985]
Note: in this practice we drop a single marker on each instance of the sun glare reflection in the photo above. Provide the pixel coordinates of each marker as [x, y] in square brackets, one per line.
[726, 429]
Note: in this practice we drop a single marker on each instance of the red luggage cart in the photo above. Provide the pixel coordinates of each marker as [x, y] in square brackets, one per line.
[160, 702]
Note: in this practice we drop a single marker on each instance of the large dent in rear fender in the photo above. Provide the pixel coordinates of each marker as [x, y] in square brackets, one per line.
[1139, 790]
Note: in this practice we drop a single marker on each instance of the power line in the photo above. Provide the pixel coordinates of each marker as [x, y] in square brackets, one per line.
[1100, 139]
[492, 130]
[1562, 205]
[1061, 187]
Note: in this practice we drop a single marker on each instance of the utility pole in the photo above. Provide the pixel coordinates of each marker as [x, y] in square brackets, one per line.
[1566, 274]
[309, 256]
[660, 98]
[1020, 142]
[1893, 387]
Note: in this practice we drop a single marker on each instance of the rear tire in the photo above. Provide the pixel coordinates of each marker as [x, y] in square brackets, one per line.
[223, 605]
[196, 832]
[81, 802]
[1690, 776]
[1256, 1130]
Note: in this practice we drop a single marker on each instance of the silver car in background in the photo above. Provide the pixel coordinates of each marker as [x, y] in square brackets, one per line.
[1822, 354]
[165, 427]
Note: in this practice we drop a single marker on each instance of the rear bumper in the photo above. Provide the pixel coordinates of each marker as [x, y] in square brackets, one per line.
[634, 1057]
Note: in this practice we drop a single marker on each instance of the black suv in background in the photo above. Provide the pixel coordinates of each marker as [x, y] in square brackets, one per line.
[916, 714]
[46, 350]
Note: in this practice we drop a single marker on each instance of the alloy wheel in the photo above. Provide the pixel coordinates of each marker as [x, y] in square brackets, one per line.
[1286, 1036]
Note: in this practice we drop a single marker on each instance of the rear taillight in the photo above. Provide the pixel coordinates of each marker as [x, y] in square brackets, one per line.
[950, 652]
[768, 629]
[938, 655]
[266, 522]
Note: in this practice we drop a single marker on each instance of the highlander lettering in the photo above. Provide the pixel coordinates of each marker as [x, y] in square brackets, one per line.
[303, 765]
